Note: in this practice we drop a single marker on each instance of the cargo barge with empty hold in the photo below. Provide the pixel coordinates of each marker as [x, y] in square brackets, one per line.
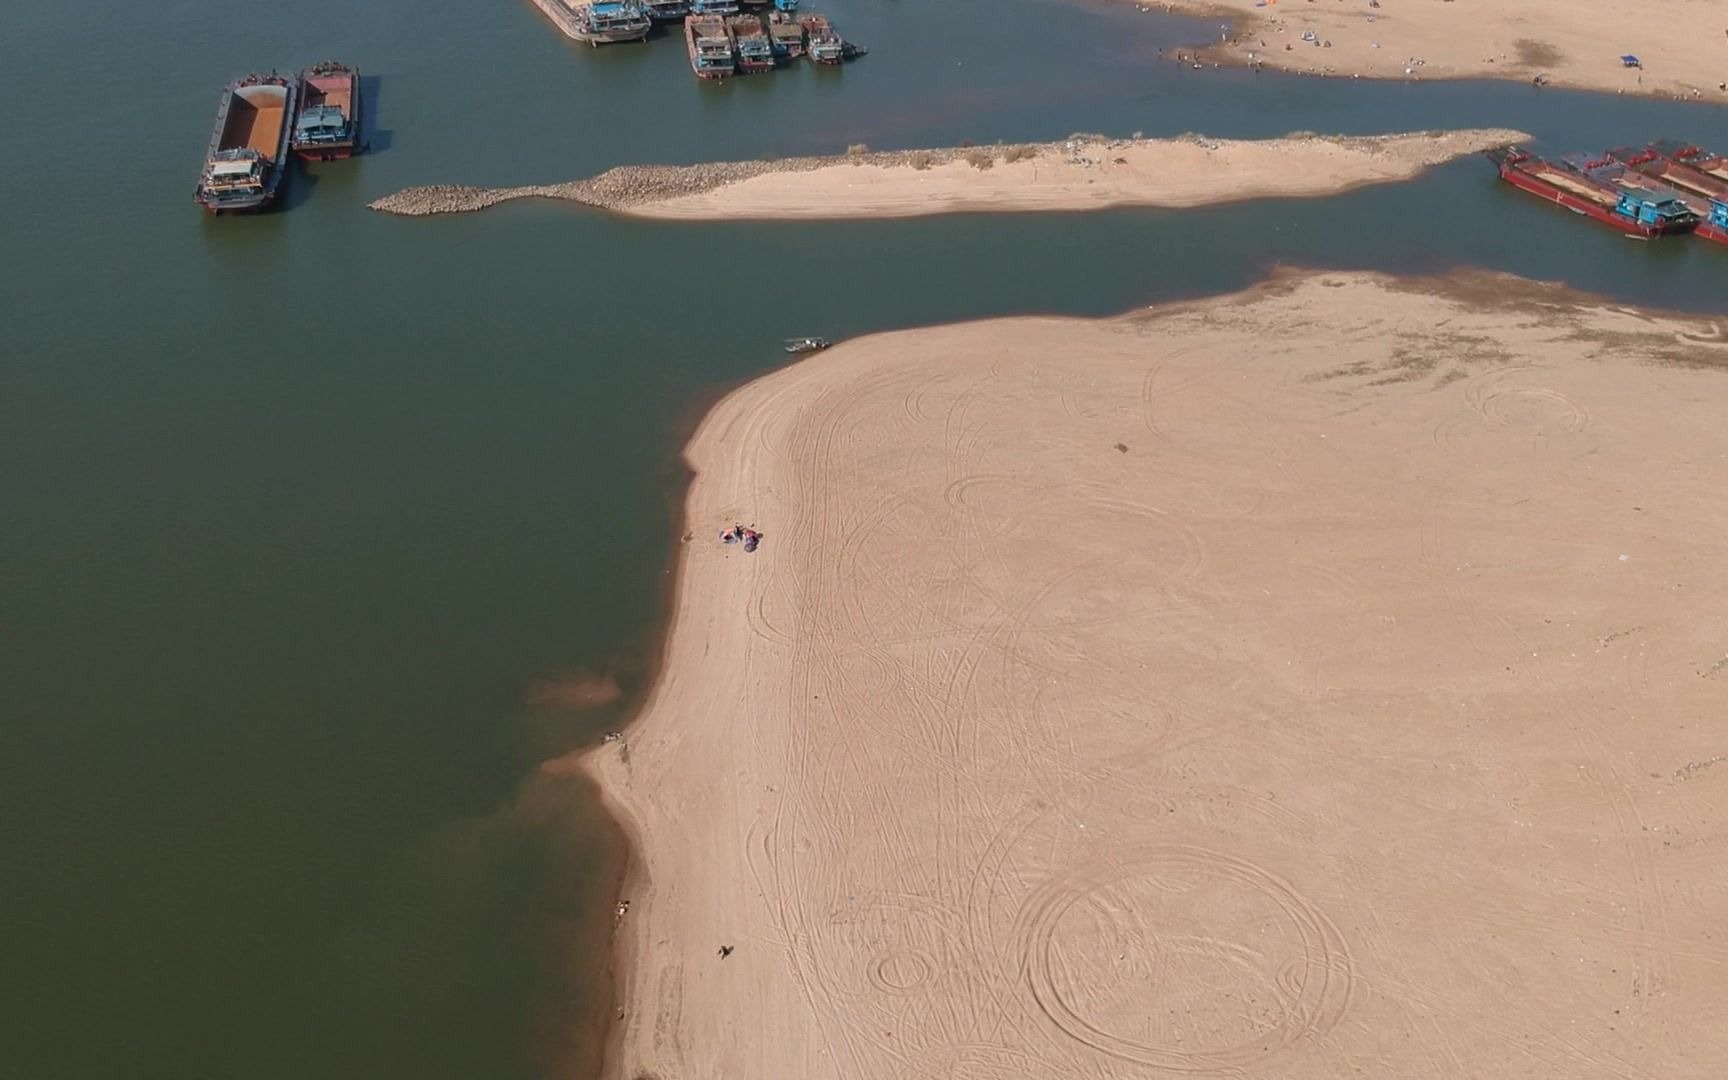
[247, 162]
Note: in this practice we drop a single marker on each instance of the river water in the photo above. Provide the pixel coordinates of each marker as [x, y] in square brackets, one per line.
[300, 509]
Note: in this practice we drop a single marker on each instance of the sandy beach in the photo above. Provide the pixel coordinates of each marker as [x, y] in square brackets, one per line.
[1321, 681]
[1682, 44]
[1088, 173]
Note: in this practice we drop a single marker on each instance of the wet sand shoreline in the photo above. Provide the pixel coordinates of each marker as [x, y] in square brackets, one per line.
[732, 847]
[1549, 42]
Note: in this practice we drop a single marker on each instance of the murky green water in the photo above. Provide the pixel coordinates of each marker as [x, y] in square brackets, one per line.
[298, 509]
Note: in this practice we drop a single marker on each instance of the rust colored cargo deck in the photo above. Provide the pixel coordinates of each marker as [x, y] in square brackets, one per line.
[255, 122]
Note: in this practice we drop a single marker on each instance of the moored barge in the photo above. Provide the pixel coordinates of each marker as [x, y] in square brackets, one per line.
[709, 42]
[1699, 177]
[821, 43]
[666, 10]
[609, 22]
[786, 35]
[328, 125]
[247, 161]
[713, 7]
[1637, 212]
[755, 51]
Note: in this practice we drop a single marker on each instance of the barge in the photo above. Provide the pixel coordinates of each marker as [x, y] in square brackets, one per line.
[785, 35]
[1697, 177]
[755, 51]
[714, 7]
[328, 125]
[609, 22]
[666, 10]
[247, 161]
[822, 44]
[713, 54]
[1636, 212]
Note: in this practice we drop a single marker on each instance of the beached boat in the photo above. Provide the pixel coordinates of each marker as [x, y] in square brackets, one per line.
[713, 7]
[713, 54]
[608, 22]
[1698, 177]
[1635, 212]
[327, 127]
[755, 51]
[785, 35]
[806, 344]
[821, 43]
[666, 10]
[247, 162]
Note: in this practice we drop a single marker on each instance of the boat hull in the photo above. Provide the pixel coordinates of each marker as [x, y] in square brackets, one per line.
[1712, 232]
[1535, 185]
[612, 37]
[237, 207]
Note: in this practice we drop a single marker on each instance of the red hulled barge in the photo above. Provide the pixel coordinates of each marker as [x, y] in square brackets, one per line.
[1634, 211]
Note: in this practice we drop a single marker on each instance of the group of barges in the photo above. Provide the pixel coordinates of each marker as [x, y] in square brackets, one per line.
[722, 39]
[723, 44]
[1663, 189]
[264, 118]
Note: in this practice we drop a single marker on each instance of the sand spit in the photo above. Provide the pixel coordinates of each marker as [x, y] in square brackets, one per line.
[1081, 173]
[1681, 42]
[1319, 681]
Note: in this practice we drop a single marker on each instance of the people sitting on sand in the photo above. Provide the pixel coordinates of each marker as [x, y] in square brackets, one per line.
[738, 533]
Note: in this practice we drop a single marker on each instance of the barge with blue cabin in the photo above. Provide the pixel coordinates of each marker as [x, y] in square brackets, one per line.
[609, 22]
[1698, 177]
[755, 49]
[327, 127]
[1636, 211]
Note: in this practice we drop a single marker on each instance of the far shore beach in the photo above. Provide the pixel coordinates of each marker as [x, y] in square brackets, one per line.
[1083, 173]
[1311, 680]
[1681, 45]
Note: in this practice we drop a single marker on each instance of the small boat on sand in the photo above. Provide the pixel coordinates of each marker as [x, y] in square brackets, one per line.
[1635, 211]
[606, 22]
[806, 344]
[755, 51]
[713, 54]
[328, 125]
[247, 162]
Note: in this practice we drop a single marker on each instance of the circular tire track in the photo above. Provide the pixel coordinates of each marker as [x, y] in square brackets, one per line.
[1310, 990]
[1577, 417]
